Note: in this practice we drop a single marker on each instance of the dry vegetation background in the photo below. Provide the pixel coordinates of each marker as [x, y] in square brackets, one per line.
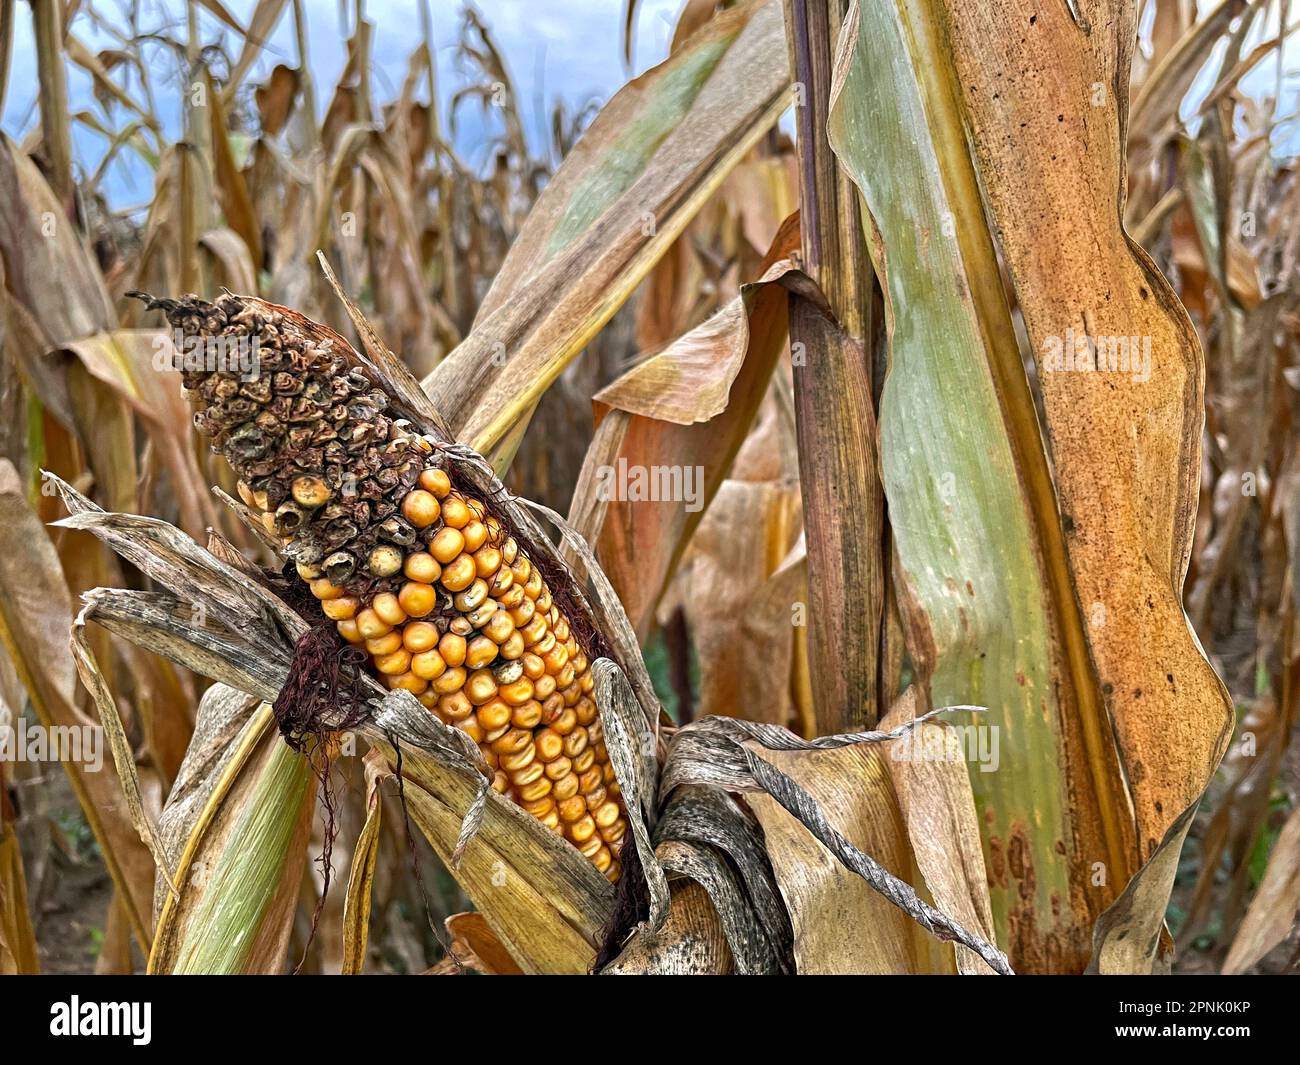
[270, 170]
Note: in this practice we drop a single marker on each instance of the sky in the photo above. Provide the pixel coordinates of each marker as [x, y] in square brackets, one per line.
[1262, 79]
[569, 49]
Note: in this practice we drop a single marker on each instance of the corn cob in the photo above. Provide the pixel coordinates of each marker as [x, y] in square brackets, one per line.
[420, 574]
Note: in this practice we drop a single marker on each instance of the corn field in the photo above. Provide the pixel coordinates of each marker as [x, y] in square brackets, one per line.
[829, 506]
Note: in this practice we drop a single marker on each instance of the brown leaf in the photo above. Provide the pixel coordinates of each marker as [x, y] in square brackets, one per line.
[17, 937]
[138, 365]
[938, 807]
[841, 924]
[275, 98]
[39, 243]
[1274, 909]
[1155, 107]
[843, 505]
[683, 411]
[260, 26]
[475, 945]
[35, 619]
[691, 943]
[232, 189]
[1170, 711]
[645, 166]
[742, 624]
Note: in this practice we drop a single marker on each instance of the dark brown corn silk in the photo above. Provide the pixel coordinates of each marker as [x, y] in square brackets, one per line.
[409, 567]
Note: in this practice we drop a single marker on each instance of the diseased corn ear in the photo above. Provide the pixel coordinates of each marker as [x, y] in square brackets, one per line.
[422, 575]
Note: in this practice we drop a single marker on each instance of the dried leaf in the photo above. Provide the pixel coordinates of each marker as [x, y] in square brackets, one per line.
[645, 166]
[842, 925]
[35, 618]
[1155, 107]
[742, 626]
[1170, 712]
[736, 755]
[119, 745]
[843, 512]
[712, 819]
[1274, 909]
[685, 409]
[1128, 936]
[17, 937]
[261, 23]
[475, 945]
[691, 943]
[361, 877]
[938, 807]
[138, 364]
[275, 98]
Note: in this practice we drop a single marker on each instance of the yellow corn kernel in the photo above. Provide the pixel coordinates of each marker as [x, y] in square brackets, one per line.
[472, 597]
[502, 582]
[454, 706]
[428, 664]
[388, 608]
[420, 636]
[321, 588]
[582, 829]
[527, 715]
[340, 609]
[513, 647]
[384, 645]
[487, 560]
[451, 681]
[452, 649]
[566, 787]
[420, 508]
[499, 627]
[417, 599]
[397, 662]
[435, 481]
[481, 687]
[371, 625]
[493, 715]
[536, 789]
[543, 809]
[476, 535]
[550, 744]
[456, 513]
[480, 652]
[518, 692]
[411, 683]
[422, 567]
[512, 742]
[458, 574]
[558, 769]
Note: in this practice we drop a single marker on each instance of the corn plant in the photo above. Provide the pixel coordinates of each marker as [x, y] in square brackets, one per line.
[886, 361]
